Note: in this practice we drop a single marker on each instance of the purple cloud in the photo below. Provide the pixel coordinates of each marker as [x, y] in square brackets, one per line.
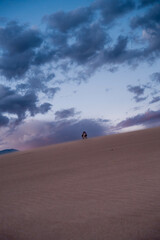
[148, 119]
[40, 133]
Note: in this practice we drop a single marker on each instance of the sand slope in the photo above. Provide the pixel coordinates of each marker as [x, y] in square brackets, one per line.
[105, 188]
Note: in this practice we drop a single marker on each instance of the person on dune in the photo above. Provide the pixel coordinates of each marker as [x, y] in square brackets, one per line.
[84, 135]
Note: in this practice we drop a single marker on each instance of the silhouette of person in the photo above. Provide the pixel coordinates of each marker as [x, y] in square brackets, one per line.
[84, 135]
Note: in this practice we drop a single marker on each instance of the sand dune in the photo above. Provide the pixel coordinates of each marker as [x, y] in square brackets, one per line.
[105, 188]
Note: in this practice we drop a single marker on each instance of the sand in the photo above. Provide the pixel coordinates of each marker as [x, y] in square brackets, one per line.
[105, 188]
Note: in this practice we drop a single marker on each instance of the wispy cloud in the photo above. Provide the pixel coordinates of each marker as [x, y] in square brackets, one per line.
[65, 113]
[138, 92]
[155, 99]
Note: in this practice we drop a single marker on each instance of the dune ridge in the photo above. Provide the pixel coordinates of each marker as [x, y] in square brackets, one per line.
[95, 189]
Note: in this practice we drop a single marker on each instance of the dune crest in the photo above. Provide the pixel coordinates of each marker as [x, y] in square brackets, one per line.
[101, 188]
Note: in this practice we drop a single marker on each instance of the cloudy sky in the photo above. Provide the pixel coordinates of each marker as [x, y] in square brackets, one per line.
[69, 66]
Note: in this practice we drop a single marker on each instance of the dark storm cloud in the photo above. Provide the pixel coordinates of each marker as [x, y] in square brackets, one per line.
[13, 103]
[43, 56]
[66, 113]
[113, 9]
[81, 46]
[95, 47]
[15, 65]
[64, 21]
[18, 44]
[59, 39]
[118, 52]
[121, 54]
[17, 104]
[5, 92]
[148, 119]
[59, 131]
[72, 130]
[89, 42]
[144, 3]
[150, 20]
[16, 38]
[3, 121]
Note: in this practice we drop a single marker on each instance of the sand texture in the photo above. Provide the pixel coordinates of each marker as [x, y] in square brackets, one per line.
[105, 188]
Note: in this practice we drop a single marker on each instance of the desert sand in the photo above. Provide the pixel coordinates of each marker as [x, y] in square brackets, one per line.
[105, 188]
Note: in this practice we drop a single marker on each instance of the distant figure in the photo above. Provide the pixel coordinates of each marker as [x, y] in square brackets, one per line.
[84, 135]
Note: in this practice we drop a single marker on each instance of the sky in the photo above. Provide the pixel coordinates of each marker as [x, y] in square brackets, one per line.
[70, 66]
